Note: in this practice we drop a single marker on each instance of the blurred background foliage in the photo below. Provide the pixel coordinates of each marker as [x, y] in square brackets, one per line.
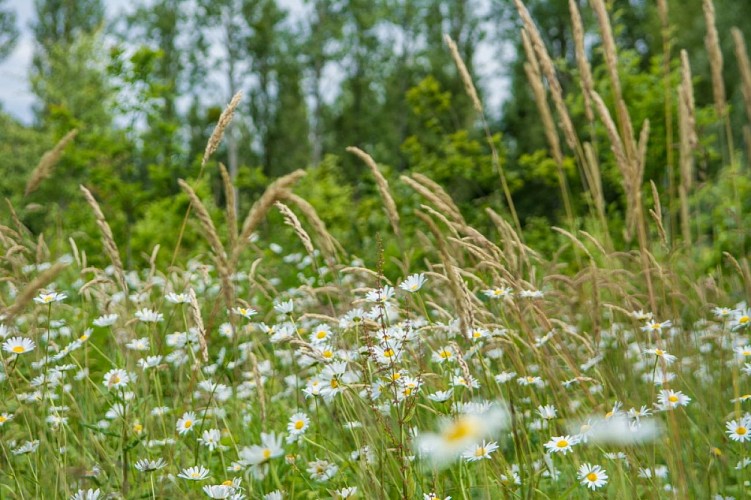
[368, 73]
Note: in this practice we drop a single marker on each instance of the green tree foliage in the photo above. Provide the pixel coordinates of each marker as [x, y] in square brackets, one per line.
[8, 30]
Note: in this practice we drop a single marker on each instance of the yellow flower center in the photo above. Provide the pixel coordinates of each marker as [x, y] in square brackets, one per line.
[673, 398]
[741, 431]
[562, 443]
[83, 338]
[659, 352]
[266, 453]
[299, 424]
[744, 319]
[188, 424]
[327, 354]
[396, 376]
[476, 334]
[3, 419]
[18, 349]
[137, 428]
[195, 474]
[445, 354]
[388, 352]
[228, 482]
[114, 379]
[458, 430]
[413, 287]
[480, 451]
[592, 477]
[334, 383]
[321, 334]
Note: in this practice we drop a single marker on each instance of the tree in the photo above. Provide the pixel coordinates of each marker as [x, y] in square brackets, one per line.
[8, 31]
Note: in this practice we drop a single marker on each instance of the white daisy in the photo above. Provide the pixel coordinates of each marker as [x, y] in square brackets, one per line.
[480, 451]
[18, 345]
[149, 316]
[116, 378]
[146, 465]
[197, 473]
[106, 320]
[186, 423]
[738, 430]
[561, 444]
[413, 283]
[48, 298]
[592, 476]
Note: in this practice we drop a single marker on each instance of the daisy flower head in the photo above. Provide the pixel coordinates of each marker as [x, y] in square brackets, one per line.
[321, 334]
[5, 418]
[380, 295]
[18, 345]
[547, 412]
[322, 470]
[592, 476]
[116, 378]
[270, 447]
[146, 315]
[457, 435]
[89, 494]
[146, 465]
[561, 444]
[286, 307]
[49, 298]
[441, 396]
[499, 292]
[105, 320]
[531, 294]
[186, 423]
[738, 430]
[722, 313]
[480, 451]
[413, 283]
[177, 298]
[210, 438]
[656, 326]
[668, 358]
[197, 473]
[348, 492]
[641, 315]
[218, 490]
[245, 312]
[141, 344]
[669, 399]
[298, 424]
[443, 354]
[741, 319]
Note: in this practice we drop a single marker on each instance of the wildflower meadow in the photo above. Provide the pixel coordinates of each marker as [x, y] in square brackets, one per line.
[447, 359]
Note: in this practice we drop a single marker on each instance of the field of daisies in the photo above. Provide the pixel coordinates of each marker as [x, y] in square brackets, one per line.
[486, 374]
[272, 363]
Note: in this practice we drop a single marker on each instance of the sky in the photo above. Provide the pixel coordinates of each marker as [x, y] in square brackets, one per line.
[17, 99]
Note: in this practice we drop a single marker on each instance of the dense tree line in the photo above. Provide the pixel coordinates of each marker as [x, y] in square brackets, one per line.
[144, 92]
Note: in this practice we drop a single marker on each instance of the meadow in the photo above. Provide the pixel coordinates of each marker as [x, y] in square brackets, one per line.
[269, 367]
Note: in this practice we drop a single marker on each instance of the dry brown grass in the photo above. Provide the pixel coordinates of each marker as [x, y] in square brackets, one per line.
[224, 120]
[47, 163]
[110, 247]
